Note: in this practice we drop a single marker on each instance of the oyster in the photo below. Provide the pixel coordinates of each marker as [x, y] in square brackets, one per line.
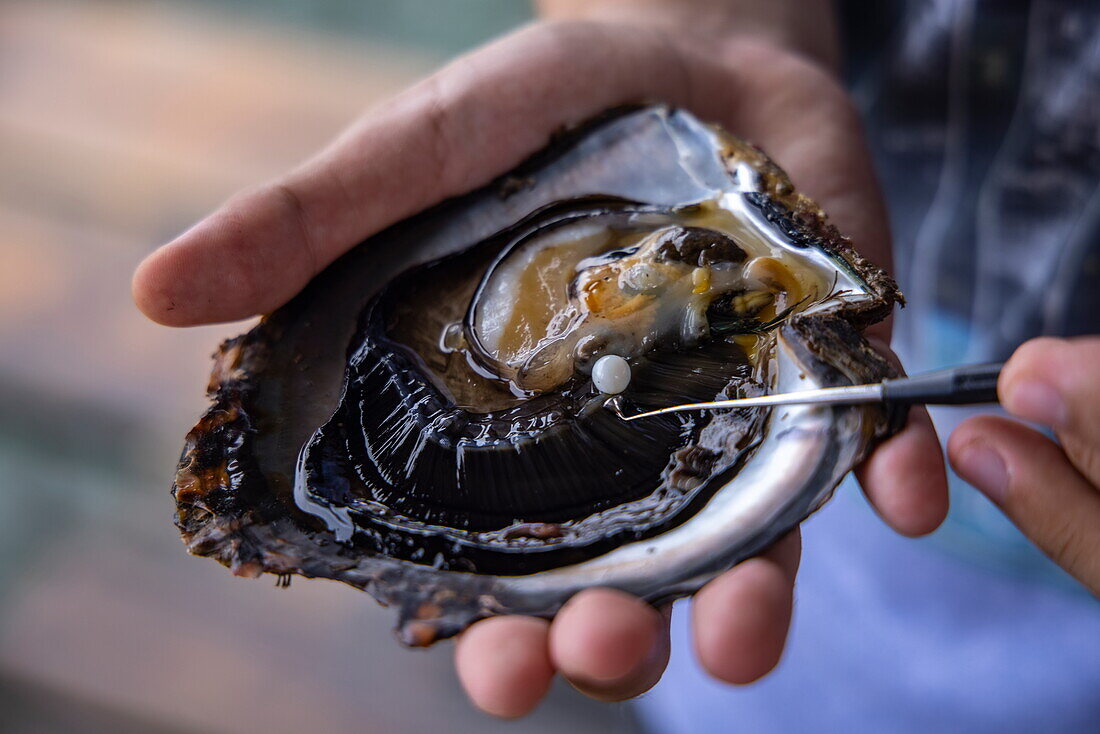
[421, 422]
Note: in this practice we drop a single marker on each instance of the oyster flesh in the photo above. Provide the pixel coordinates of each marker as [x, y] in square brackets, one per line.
[421, 422]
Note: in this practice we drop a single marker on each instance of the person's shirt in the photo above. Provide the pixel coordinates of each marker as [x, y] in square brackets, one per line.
[984, 122]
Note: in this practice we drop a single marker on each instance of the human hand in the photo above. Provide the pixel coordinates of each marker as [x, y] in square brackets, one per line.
[457, 130]
[1050, 490]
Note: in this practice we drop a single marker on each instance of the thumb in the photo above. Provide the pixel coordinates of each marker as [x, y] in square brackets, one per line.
[1030, 478]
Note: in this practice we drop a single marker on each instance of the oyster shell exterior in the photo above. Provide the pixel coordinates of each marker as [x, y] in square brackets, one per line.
[341, 444]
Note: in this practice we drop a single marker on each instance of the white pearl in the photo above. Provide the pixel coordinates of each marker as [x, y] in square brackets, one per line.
[611, 374]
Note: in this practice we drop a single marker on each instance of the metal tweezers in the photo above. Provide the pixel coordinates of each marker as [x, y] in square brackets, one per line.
[966, 385]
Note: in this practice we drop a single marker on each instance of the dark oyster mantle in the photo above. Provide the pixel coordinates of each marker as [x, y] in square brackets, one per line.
[274, 387]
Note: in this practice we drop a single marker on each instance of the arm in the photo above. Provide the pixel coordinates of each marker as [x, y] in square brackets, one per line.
[806, 27]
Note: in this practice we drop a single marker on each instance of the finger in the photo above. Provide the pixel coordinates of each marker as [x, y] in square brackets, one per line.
[740, 619]
[480, 116]
[504, 664]
[1029, 477]
[1054, 382]
[905, 478]
[609, 645]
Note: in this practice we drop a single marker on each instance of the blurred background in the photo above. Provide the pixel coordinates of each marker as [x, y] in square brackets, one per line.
[121, 123]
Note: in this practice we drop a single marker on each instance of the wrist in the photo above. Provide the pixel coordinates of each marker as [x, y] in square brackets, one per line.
[804, 27]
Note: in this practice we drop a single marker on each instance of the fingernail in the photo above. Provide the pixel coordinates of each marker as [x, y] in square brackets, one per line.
[1038, 402]
[984, 468]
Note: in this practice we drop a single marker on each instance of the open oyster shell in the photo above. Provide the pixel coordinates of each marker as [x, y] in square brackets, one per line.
[388, 429]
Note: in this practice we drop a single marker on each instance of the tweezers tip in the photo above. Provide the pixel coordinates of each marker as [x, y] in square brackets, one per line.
[615, 405]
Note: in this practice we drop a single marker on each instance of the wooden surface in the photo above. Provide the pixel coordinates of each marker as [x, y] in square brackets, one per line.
[121, 124]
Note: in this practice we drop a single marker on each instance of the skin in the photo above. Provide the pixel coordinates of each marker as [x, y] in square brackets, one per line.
[1051, 490]
[480, 116]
